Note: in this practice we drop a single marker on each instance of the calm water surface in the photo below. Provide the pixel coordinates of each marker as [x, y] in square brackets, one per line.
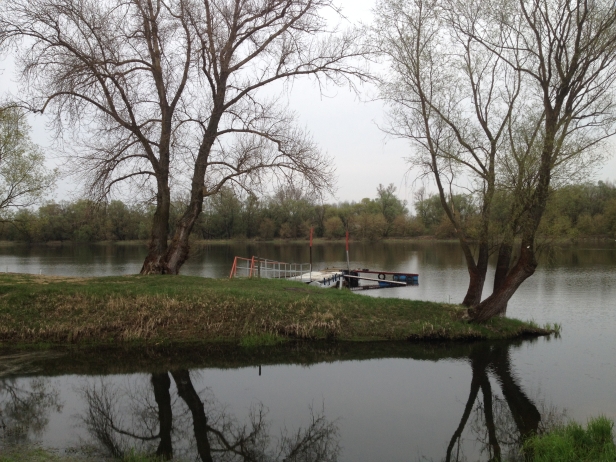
[416, 402]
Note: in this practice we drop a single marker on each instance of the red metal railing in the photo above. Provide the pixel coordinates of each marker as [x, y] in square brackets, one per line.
[261, 267]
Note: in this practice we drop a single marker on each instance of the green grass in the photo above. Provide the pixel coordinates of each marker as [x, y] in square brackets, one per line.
[573, 443]
[37, 310]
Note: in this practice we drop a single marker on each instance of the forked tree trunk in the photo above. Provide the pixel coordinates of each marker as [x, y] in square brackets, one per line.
[502, 264]
[171, 259]
[477, 271]
[525, 267]
[477, 275]
[178, 250]
[168, 258]
[497, 302]
[154, 262]
[502, 269]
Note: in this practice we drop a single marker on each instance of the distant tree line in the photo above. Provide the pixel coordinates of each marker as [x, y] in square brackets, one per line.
[575, 211]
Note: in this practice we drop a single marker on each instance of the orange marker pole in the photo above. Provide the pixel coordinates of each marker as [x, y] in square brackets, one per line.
[311, 253]
[233, 267]
[347, 252]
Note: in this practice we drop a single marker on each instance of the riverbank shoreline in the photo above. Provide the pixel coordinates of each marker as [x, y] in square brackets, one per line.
[570, 442]
[316, 241]
[205, 242]
[37, 311]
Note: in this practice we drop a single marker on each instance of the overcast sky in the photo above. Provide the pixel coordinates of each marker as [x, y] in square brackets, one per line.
[343, 124]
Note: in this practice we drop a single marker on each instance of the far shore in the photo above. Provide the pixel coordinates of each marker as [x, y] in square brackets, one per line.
[40, 311]
[316, 241]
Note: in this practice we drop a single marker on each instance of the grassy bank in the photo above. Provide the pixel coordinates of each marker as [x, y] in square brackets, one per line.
[175, 309]
[570, 443]
[573, 443]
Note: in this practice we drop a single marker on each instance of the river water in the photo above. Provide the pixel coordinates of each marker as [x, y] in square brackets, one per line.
[324, 402]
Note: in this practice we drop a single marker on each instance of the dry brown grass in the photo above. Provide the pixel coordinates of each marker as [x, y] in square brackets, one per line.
[36, 309]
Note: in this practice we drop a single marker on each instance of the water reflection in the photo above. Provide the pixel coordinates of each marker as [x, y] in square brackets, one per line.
[25, 407]
[189, 425]
[204, 407]
[500, 424]
[215, 260]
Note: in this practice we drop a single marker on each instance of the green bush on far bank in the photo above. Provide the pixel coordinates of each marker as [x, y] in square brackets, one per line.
[573, 211]
[573, 443]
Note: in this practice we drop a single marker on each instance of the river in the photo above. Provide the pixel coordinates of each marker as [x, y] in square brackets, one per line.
[408, 402]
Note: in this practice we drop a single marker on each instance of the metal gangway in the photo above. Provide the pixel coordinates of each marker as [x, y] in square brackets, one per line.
[264, 268]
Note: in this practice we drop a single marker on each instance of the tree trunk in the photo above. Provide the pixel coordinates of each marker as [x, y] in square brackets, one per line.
[161, 384]
[179, 248]
[477, 275]
[472, 396]
[479, 363]
[497, 302]
[524, 412]
[154, 262]
[170, 261]
[488, 412]
[187, 392]
[502, 264]
[502, 269]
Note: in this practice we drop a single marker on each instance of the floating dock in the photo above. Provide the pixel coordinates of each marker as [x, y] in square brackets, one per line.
[355, 279]
[365, 279]
[383, 279]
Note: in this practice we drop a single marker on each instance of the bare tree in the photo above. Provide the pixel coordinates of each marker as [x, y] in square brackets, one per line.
[567, 50]
[504, 96]
[174, 94]
[454, 100]
[194, 426]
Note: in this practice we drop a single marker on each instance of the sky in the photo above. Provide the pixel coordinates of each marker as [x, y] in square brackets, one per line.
[343, 124]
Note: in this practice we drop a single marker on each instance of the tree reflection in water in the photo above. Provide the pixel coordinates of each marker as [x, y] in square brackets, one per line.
[189, 425]
[24, 409]
[501, 424]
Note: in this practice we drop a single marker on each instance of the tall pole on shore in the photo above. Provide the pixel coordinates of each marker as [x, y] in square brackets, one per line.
[311, 253]
[347, 252]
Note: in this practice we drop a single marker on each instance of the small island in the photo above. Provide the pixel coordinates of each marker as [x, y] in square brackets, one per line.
[155, 309]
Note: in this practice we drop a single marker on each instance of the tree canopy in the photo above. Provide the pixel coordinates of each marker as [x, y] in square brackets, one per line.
[505, 100]
[170, 95]
[24, 179]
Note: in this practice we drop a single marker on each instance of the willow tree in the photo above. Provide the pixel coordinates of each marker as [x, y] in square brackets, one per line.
[454, 100]
[567, 51]
[500, 97]
[179, 96]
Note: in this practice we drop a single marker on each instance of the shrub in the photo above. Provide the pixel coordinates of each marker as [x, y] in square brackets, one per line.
[573, 443]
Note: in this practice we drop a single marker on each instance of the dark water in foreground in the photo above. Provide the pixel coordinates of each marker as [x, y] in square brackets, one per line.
[328, 402]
